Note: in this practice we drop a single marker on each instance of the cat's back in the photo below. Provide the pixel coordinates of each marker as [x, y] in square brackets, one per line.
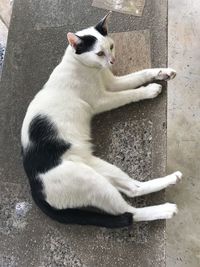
[71, 91]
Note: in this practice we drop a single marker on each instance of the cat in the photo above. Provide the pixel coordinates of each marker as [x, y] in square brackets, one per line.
[67, 181]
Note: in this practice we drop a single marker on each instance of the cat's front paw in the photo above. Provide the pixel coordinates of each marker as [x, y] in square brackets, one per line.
[152, 90]
[166, 74]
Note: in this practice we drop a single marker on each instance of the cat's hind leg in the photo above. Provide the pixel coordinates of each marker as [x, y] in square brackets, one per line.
[158, 212]
[129, 186]
[75, 185]
[158, 184]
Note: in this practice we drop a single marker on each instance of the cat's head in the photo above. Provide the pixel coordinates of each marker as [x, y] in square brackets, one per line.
[92, 46]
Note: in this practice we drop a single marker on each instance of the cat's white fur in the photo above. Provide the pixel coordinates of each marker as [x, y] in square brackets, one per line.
[80, 87]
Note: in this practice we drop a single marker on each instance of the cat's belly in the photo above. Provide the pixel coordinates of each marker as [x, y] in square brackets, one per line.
[79, 151]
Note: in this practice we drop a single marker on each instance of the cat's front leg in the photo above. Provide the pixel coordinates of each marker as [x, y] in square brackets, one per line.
[112, 100]
[129, 186]
[163, 74]
[136, 79]
[151, 91]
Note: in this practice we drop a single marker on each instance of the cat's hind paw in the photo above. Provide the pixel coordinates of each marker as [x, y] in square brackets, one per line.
[169, 210]
[159, 212]
[178, 175]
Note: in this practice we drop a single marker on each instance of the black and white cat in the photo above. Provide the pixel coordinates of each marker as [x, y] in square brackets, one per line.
[65, 177]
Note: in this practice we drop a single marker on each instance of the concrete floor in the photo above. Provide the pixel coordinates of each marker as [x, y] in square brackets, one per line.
[135, 133]
[183, 233]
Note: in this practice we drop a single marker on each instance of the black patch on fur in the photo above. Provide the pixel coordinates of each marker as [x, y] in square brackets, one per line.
[85, 217]
[100, 27]
[44, 151]
[87, 43]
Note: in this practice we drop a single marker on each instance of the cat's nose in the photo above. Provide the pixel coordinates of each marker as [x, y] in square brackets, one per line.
[112, 61]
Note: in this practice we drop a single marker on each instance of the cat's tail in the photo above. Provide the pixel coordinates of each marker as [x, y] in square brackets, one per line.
[85, 217]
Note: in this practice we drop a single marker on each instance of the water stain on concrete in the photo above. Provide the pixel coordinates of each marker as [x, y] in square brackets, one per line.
[19, 214]
[132, 7]
[13, 211]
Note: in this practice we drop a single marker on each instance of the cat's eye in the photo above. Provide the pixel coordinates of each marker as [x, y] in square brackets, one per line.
[100, 54]
[111, 47]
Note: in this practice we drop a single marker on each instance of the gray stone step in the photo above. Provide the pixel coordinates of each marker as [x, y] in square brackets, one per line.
[132, 137]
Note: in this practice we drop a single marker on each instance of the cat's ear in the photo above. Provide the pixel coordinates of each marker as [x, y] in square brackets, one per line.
[73, 39]
[102, 26]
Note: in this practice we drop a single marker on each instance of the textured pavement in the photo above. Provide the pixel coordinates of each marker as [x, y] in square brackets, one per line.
[132, 137]
[183, 234]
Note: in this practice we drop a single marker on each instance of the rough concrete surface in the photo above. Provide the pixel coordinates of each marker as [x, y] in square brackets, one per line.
[183, 235]
[133, 137]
